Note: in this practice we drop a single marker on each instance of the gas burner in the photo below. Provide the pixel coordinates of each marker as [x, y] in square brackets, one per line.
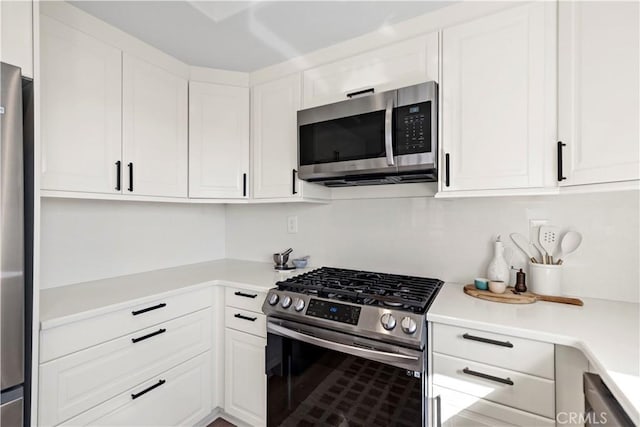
[406, 293]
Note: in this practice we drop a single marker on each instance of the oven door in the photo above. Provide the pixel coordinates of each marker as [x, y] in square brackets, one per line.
[347, 138]
[322, 377]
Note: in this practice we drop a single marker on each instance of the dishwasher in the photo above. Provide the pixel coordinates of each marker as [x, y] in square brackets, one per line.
[601, 407]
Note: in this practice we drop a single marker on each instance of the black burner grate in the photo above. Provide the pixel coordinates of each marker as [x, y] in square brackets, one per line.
[366, 288]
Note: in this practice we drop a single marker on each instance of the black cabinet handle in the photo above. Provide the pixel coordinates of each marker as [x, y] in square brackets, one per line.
[244, 185]
[152, 334]
[144, 310]
[130, 165]
[439, 411]
[487, 340]
[561, 176]
[293, 181]
[134, 396]
[446, 170]
[360, 92]
[240, 316]
[118, 174]
[242, 294]
[506, 381]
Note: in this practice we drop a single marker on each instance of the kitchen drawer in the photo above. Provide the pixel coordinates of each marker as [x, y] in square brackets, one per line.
[246, 321]
[71, 337]
[518, 354]
[463, 410]
[243, 298]
[74, 383]
[526, 392]
[180, 396]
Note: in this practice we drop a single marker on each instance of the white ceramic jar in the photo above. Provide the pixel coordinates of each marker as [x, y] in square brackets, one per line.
[545, 279]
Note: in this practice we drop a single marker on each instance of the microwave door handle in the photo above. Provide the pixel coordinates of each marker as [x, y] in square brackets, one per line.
[388, 132]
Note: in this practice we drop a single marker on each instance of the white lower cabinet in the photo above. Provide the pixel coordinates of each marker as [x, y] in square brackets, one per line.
[482, 378]
[245, 387]
[455, 409]
[180, 396]
[245, 381]
[152, 365]
[75, 383]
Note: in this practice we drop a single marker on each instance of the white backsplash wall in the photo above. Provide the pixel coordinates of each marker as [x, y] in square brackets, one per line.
[84, 240]
[449, 239]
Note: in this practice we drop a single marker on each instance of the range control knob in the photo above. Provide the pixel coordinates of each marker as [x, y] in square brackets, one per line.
[273, 299]
[409, 325]
[388, 321]
[286, 301]
[298, 304]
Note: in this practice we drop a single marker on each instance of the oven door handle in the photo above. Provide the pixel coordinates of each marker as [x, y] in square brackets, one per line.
[388, 132]
[381, 356]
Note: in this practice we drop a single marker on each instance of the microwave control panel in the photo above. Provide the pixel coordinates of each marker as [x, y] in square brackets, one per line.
[413, 128]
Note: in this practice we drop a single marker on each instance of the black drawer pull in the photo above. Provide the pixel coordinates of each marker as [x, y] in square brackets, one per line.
[561, 176]
[144, 310]
[242, 294]
[293, 181]
[147, 390]
[118, 174]
[446, 170]
[152, 334]
[244, 185]
[360, 92]
[506, 381]
[487, 340]
[240, 316]
[130, 165]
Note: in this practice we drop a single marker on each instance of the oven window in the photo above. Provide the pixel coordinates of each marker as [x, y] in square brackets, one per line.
[313, 386]
[350, 138]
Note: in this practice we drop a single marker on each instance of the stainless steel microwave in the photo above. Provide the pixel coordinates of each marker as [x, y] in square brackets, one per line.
[378, 138]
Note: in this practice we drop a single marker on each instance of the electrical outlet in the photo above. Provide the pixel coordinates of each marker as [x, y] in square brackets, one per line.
[292, 224]
[534, 229]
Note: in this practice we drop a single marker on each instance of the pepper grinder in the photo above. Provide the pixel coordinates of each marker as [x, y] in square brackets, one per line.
[520, 281]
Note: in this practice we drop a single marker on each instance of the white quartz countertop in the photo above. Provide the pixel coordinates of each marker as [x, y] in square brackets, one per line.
[607, 332]
[73, 302]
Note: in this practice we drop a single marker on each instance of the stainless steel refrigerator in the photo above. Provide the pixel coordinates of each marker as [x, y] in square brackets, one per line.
[13, 256]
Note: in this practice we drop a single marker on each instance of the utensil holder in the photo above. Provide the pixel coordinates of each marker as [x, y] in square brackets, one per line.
[545, 279]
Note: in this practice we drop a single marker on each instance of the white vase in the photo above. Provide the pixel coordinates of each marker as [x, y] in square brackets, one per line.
[498, 268]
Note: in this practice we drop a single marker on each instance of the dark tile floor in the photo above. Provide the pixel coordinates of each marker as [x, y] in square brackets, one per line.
[221, 423]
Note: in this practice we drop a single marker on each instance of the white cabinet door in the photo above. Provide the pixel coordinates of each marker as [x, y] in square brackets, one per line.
[245, 380]
[275, 148]
[155, 126]
[455, 409]
[180, 396]
[493, 96]
[218, 141]
[598, 91]
[400, 64]
[81, 110]
[17, 34]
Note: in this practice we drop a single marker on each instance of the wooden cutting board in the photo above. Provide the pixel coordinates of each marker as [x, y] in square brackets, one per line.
[509, 297]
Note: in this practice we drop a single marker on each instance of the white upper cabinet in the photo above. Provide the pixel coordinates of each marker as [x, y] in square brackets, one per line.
[155, 126]
[400, 64]
[598, 91]
[494, 96]
[81, 110]
[274, 122]
[16, 29]
[218, 141]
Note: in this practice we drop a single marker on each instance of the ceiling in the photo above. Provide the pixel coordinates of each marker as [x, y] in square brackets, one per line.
[247, 36]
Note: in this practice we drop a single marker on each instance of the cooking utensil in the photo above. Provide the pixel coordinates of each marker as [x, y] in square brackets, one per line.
[569, 243]
[549, 240]
[281, 258]
[524, 245]
[543, 257]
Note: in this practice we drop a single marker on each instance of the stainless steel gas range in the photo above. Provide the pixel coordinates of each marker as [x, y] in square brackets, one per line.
[347, 348]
